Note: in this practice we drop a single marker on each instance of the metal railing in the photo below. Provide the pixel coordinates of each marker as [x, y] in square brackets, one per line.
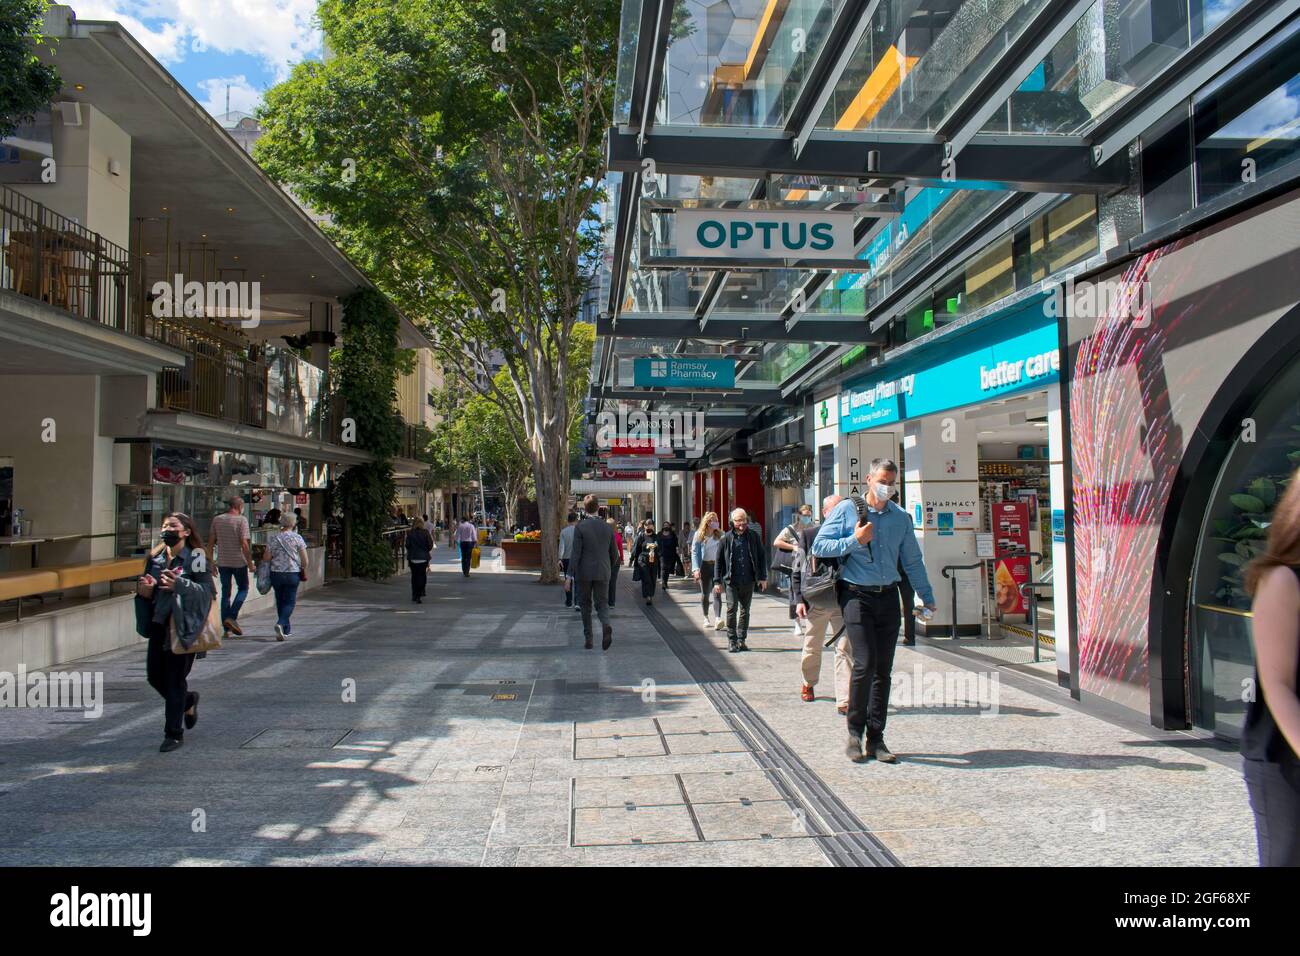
[49, 258]
[217, 381]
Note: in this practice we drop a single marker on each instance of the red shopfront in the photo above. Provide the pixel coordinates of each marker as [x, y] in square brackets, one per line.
[725, 488]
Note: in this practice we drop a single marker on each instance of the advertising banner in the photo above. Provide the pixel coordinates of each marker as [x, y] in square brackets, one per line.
[1010, 523]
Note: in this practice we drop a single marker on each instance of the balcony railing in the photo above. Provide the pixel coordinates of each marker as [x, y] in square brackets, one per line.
[217, 381]
[50, 258]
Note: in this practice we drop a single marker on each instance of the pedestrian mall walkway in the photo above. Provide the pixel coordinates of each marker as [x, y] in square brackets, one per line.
[475, 729]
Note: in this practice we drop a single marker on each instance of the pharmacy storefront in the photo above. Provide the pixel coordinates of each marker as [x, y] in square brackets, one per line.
[973, 419]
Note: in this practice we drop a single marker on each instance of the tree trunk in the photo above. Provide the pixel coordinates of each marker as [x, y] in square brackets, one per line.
[551, 471]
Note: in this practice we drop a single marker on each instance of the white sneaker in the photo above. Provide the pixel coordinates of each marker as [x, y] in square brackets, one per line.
[798, 630]
[720, 625]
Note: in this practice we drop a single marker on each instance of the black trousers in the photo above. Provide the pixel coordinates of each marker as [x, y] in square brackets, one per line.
[738, 598]
[568, 595]
[707, 593]
[168, 674]
[592, 591]
[466, 548]
[419, 577]
[1275, 801]
[669, 562]
[613, 580]
[648, 579]
[871, 625]
[908, 598]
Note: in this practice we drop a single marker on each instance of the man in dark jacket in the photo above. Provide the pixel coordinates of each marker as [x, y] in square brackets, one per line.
[740, 565]
[591, 561]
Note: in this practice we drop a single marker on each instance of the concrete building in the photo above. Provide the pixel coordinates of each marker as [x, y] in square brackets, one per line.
[166, 319]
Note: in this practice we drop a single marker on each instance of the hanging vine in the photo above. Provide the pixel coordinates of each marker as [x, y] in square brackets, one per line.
[366, 372]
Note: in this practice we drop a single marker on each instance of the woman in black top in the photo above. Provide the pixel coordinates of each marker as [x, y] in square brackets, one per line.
[419, 548]
[645, 559]
[1270, 739]
[669, 557]
[176, 566]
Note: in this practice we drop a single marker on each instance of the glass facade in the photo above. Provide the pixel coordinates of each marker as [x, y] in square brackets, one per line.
[1221, 659]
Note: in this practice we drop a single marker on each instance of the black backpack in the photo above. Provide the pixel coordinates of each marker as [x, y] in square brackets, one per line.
[818, 588]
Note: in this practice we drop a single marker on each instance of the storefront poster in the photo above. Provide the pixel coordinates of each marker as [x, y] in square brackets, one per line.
[944, 522]
[1008, 574]
[1010, 523]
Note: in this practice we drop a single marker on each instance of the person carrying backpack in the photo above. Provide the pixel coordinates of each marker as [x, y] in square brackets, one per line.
[870, 538]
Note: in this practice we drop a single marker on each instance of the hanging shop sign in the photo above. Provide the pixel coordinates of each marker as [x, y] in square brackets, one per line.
[757, 238]
[684, 373]
[639, 463]
[1011, 353]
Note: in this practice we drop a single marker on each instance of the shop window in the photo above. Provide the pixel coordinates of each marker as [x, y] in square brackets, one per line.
[990, 276]
[1248, 487]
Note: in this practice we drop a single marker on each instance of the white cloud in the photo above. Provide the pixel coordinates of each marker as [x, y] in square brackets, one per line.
[243, 95]
[278, 32]
[1274, 115]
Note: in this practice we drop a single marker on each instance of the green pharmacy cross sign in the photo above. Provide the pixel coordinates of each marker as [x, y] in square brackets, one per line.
[692, 373]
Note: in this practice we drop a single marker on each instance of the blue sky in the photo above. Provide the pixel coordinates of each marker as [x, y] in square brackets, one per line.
[208, 44]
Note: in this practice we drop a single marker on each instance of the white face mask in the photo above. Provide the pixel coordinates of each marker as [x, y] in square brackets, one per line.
[713, 526]
[882, 492]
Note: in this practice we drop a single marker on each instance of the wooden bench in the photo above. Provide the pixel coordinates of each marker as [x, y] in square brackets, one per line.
[16, 585]
[97, 572]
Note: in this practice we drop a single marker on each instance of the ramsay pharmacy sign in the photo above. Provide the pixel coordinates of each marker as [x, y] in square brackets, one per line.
[684, 373]
[1012, 353]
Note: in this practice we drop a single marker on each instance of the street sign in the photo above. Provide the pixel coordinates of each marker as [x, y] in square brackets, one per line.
[638, 463]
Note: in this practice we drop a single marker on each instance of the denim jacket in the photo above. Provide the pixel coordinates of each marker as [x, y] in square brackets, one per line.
[189, 604]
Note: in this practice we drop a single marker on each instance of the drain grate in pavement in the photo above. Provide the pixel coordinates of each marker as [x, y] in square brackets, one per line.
[290, 738]
[657, 737]
[683, 808]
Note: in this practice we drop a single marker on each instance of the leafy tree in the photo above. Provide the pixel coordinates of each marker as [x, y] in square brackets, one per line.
[457, 146]
[26, 84]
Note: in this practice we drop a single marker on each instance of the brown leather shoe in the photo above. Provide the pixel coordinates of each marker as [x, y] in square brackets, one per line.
[807, 694]
[230, 625]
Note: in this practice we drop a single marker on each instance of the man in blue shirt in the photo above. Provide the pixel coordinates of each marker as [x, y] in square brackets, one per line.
[870, 553]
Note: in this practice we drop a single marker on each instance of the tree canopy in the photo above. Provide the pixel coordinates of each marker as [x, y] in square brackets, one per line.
[26, 84]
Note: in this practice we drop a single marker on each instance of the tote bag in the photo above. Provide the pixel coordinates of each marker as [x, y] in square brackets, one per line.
[209, 639]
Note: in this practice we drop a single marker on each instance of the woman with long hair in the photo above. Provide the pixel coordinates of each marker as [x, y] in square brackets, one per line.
[1270, 740]
[645, 559]
[704, 554]
[175, 567]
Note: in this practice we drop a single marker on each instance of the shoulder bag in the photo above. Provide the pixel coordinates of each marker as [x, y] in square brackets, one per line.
[209, 636]
[783, 560]
[819, 587]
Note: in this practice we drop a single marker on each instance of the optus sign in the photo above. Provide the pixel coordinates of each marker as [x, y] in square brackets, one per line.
[762, 234]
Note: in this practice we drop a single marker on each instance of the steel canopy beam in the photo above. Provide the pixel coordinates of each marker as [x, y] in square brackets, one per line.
[1023, 163]
[1006, 72]
[732, 328]
[823, 76]
[1226, 43]
[737, 398]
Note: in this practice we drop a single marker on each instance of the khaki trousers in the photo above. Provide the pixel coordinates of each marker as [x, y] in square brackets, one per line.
[811, 662]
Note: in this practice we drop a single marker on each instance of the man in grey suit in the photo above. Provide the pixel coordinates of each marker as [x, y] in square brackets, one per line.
[591, 560]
